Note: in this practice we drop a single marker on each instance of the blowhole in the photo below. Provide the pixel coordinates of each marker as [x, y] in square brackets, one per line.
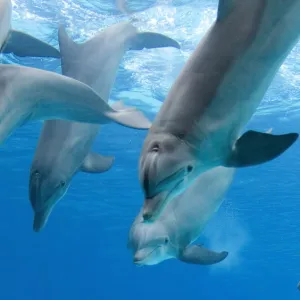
[155, 148]
[189, 169]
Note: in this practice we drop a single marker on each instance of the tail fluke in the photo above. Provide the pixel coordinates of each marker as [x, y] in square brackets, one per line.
[128, 116]
[151, 40]
[22, 44]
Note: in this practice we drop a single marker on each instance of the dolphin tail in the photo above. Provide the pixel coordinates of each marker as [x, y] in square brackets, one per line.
[96, 163]
[129, 118]
[124, 114]
[199, 255]
[254, 148]
[151, 40]
[22, 44]
[119, 105]
[61, 97]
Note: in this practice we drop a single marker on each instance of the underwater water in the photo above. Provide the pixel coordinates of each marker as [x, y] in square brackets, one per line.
[81, 253]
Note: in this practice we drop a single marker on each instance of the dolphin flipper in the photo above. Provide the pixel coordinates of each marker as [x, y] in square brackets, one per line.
[254, 148]
[22, 44]
[151, 40]
[199, 255]
[96, 163]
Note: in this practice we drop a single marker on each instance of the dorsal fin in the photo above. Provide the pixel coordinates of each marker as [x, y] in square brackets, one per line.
[68, 49]
[224, 8]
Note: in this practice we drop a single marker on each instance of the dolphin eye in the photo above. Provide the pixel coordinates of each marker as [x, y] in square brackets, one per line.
[189, 169]
[62, 183]
[166, 240]
[37, 174]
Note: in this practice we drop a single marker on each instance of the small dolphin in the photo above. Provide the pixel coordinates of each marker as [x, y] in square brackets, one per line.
[181, 223]
[64, 147]
[20, 43]
[215, 95]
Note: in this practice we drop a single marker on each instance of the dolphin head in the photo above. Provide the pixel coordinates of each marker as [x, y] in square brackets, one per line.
[46, 188]
[150, 244]
[166, 163]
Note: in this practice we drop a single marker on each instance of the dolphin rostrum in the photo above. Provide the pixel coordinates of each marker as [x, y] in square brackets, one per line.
[181, 223]
[64, 147]
[20, 43]
[199, 124]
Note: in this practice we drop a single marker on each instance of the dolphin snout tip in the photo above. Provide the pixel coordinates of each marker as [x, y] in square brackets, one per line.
[137, 260]
[36, 228]
[39, 222]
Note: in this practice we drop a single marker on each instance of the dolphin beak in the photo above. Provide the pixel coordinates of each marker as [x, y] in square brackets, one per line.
[138, 259]
[34, 192]
[40, 219]
[154, 206]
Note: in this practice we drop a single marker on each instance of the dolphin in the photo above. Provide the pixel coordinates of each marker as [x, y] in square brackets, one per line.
[200, 123]
[64, 148]
[28, 94]
[171, 235]
[18, 42]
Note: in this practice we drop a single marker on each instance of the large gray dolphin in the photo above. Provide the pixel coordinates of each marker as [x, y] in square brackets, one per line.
[20, 43]
[215, 95]
[181, 223]
[64, 147]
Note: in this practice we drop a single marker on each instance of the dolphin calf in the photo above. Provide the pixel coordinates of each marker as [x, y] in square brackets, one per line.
[64, 147]
[199, 124]
[20, 43]
[171, 235]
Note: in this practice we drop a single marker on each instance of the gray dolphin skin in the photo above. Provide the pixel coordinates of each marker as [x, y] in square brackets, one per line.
[171, 235]
[64, 147]
[20, 43]
[199, 125]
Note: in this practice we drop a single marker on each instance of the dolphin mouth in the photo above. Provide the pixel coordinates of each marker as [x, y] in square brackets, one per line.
[165, 182]
[153, 214]
[140, 262]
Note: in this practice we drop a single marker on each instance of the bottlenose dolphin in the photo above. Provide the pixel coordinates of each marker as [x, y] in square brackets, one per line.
[181, 223]
[32, 94]
[64, 147]
[213, 98]
[20, 43]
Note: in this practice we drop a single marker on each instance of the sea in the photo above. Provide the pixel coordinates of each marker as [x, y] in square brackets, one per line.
[82, 254]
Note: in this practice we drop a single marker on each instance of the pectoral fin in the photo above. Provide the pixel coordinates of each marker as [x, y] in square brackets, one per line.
[254, 148]
[22, 44]
[96, 163]
[199, 255]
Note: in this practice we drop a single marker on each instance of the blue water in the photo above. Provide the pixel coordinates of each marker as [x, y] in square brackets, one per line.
[81, 254]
